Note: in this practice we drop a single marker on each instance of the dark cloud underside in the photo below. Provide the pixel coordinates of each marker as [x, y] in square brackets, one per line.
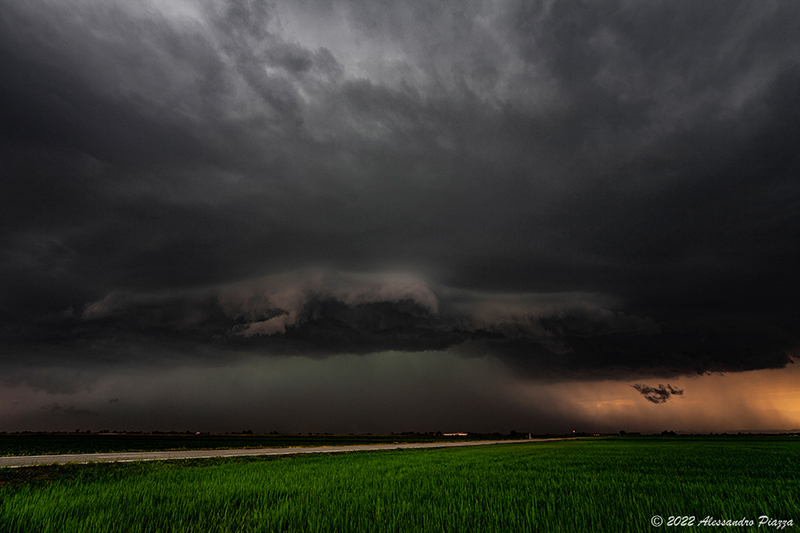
[579, 189]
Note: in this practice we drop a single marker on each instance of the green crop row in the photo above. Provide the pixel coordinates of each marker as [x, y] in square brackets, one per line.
[592, 485]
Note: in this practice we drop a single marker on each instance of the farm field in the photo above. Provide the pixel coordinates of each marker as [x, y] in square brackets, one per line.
[604, 484]
[41, 444]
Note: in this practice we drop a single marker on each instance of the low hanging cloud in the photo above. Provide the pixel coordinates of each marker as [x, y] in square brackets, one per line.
[271, 304]
[326, 312]
[660, 394]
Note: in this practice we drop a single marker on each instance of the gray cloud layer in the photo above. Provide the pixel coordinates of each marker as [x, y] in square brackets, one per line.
[320, 313]
[637, 162]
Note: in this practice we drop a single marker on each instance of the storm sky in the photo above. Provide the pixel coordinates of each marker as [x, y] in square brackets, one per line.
[376, 216]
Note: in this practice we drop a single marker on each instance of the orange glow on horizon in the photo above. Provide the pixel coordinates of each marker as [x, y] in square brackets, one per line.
[762, 400]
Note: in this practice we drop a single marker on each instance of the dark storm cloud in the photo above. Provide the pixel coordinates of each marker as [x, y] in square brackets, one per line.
[658, 394]
[322, 313]
[69, 411]
[155, 155]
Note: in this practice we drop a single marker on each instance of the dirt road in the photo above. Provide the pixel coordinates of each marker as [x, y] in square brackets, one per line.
[125, 457]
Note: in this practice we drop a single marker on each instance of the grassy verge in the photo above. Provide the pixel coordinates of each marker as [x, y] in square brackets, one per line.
[591, 485]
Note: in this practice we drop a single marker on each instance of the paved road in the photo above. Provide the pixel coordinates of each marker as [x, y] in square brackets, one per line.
[126, 457]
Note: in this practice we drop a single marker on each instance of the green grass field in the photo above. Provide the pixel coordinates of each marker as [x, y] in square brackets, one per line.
[614, 484]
